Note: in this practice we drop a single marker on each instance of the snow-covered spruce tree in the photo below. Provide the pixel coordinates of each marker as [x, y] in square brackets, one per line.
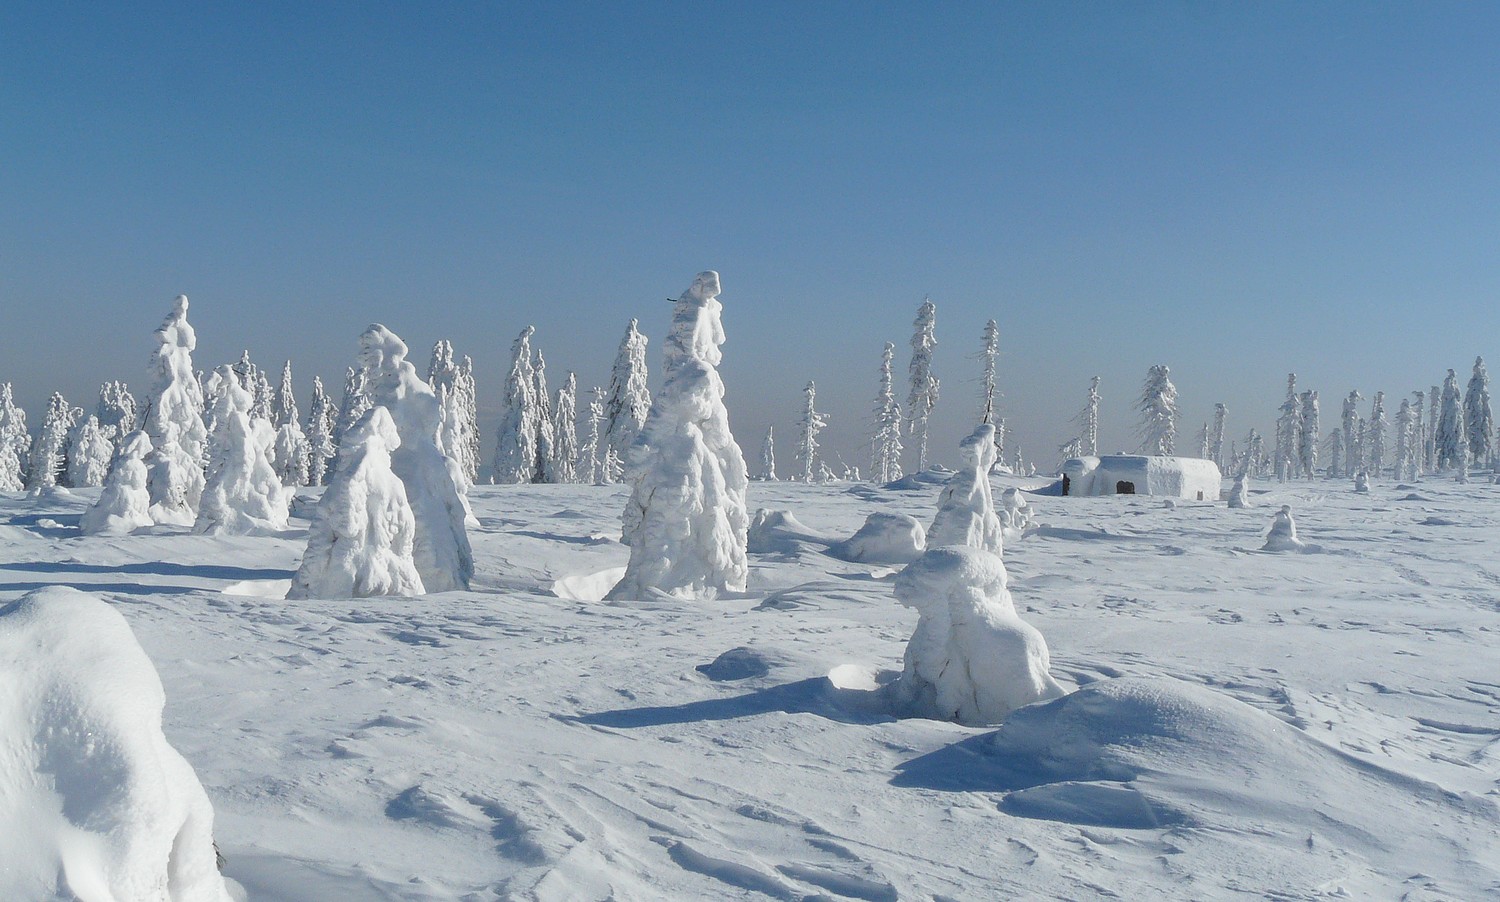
[966, 509]
[1420, 438]
[290, 453]
[363, 532]
[613, 470]
[321, 423]
[468, 402]
[1479, 420]
[454, 385]
[590, 464]
[1378, 435]
[988, 352]
[543, 469]
[1158, 407]
[352, 406]
[174, 480]
[808, 426]
[284, 402]
[1353, 459]
[515, 450]
[116, 411]
[768, 456]
[15, 443]
[885, 446]
[923, 394]
[245, 372]
[1307, 439]
[263, 405]
[1451, 438]
[434, 486]
[1288, 431]
[175, 396]
[124, 504]
[629, 398]
[49, 455]
[12, 474]
[565, 432]
[1405, 466]
[227, 397]
[1255, 454]
[1205, 443]
[1216, 444]
[686, 521]
[89, 453]
[1336, 460]
[442, 372]
[243, 495]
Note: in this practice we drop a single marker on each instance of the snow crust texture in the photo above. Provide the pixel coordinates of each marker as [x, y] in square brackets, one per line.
[95, 805]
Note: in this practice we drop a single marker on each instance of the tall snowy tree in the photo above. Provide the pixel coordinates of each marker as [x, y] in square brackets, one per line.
[1090, 421]
[1420, 439]
[1216, 446]
[989, 351]
[284, 404]
[245, 372]
[768, 457]
[175, 396]
[1379, 427]
[290, 453]
[467, 393]
[923, 394]
[1205, 442]
[116, 411]
[629, 398]
[544, 470]
[1451, 440]
[89, 453]
[263, 399]
[809, 425]
[50, 453]
[1336, 459]
[515, 451]
[454, 385]
[590, 463]
[352, 406]
[885, 446]
[1307, 438]
[1405, 465]
[15, 443]
[1479, 420]
[565, 432]
[1353, 458]
[1288, 431]
[1158, 407]
[321, 423]
[1434, 403]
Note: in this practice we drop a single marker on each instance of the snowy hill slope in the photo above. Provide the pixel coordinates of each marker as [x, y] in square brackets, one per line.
[1285, 725]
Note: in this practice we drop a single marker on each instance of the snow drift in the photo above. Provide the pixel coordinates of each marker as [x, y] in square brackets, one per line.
[885, 538]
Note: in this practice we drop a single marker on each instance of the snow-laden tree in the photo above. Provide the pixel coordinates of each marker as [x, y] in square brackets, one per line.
[468, 402]
[565, 432]
[1479, 420]
[1205, 442]
[442, 371]
[1451, 438]
[434, 486]
[966, 509]
[1216, 443]
[1405, 464]
[629, 398]
[686, 521]
[49, 455]
[290, 453]
[1337, 462]
[263, 405]
[1378, 431]
[1353, 458]
[1288, 432]
[1253, 462]
[1307, 438]
[12, 474]
[175, 396]
[922, 396]
[245, 373]
[520, 417]
[544, 468]
[15, 443]
[243, 495]
[363, 533]
[174, 480]
[1090, 421]
[116, 411]
[613, 468]
[284, 402]
[590, 463]
[1158, 407]
[227, 397]
[1434, 404]
[988, 352]
[89, 453]
[321, 423]
[352, 405]
[1420, 439]
[885, 446]
[808, 426]
[768, 456]
[460, 429]
[124, 505]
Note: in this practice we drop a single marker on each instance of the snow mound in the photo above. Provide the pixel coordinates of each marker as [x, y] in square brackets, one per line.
[1016, 515]
[778, 532]
[94, 803]
[933, 475]
[885, 538]
[588, 586]
[1283, 535]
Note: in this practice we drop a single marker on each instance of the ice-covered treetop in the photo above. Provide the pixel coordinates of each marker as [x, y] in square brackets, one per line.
[978, 448]
[176, 330]
[697, 331]
[374, 429]
[380, 349]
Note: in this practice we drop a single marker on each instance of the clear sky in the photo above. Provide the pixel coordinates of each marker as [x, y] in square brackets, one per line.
[1236, 190]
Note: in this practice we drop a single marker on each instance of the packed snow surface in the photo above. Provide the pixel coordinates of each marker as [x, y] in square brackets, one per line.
[1293, 726]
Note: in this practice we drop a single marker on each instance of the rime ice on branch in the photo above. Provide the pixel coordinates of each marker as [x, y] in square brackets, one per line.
[686, 521]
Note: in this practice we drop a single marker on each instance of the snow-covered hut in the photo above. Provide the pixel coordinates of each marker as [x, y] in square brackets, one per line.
[1136, 474]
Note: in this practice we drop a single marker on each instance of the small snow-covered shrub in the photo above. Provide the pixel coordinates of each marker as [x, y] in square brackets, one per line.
[124, 504]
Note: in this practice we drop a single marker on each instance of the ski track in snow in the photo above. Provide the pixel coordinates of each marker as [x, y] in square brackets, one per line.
[507, 742]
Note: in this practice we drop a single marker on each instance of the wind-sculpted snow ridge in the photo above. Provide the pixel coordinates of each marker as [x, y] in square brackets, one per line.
[434, 485]
[686, 521]
[361, 539]
[966, 509]
[124, 504]
[94, 803]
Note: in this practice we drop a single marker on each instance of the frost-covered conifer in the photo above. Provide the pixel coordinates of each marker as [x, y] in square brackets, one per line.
[809, 425]
[885, 447]
[434, 485]
[515, 450]
[966, 509]
[321, 423]
[363, 533]
[1433, 406]
[174, 480]
[1255, 454]
[590, 464]
[243, 495]
[989, 351]
[1307, 439]
[565, 432]
[290, 452]
[284, 402]
[50, 453]
[686, 521]
[544, 469]
[1479, 420]
[629, 398]
[1205, 443]
[1420, 439]
[227, 397]
[1379, 427]
[245, 372]
[1353, 459]
[89, 453]
[15, 443]
[175, 396]
[1451, 438]
[352, 406]
[1337, 463]
[468, 401]
[263, 399]
[124, 504]
[1405, 465]
[923, 395]
[768, 456]
[454, 385]
[442, 372]
[1216, 445]
[1288, 431]
[116, 411]
[12, 474]
[613, 469]
[1158, 407]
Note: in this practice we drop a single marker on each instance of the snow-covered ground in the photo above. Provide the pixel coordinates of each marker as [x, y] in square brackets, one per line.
[1251, 724]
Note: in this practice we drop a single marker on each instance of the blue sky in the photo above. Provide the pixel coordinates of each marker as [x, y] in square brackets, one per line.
[1236, 190]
